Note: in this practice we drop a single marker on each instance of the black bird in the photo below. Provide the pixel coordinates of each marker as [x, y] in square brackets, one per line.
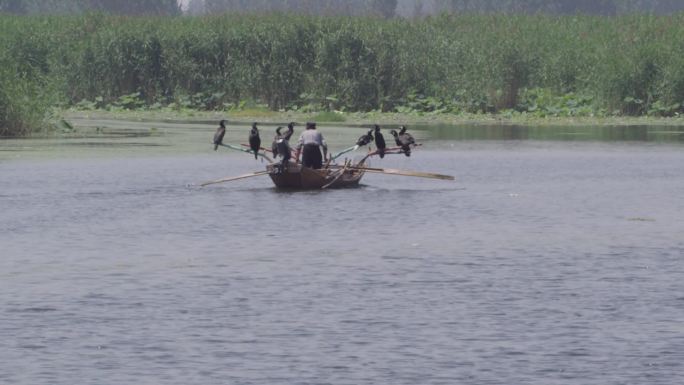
[274, 146]
[365, 139]
[379, 141]
[220, 133]
[403, 141]
[396, 137]
[290, 130]
[407, 137]
[254, 140]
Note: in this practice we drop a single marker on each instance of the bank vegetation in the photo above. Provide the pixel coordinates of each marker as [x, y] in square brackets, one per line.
[537, 65]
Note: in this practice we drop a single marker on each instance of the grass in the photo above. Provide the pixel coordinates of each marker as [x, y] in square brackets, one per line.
[382, 118]
[327, 116]
[472, 67]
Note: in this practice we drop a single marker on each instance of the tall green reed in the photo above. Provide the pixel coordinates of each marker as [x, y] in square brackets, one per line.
[629, 64]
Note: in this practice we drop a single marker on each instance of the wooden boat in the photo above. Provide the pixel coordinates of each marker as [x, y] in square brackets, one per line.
[332, 175]
[303, 178]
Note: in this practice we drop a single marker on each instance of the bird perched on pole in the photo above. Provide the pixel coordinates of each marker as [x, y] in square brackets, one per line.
[290, 130]
[220, 133]
[407, 137]
[379, 141]
[254, 140]
[274, 145]
[365, 139]
[404, 140]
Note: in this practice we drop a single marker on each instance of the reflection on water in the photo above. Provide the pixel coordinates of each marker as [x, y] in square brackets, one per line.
[513, 132]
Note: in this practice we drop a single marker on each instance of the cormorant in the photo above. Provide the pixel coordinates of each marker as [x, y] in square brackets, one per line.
[290, 130]
[404, 140]
[274, 146]
[365, 139]
[283, 146]
[220, 133]
[379, 141]
[254, 140]
[396, 137]
[407, 138]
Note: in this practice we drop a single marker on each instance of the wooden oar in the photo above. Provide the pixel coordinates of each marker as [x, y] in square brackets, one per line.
[256, 173]
[392, 171]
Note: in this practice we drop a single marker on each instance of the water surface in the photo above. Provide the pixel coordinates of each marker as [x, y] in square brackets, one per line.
[545, 262]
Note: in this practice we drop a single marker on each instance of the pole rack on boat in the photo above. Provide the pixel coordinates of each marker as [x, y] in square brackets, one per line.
[230, 146]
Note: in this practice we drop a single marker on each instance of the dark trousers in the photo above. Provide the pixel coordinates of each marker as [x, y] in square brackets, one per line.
[311, 156]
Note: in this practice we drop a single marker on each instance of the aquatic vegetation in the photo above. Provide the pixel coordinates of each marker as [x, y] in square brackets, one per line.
[472, 63]
[24, 102]
[542, 103]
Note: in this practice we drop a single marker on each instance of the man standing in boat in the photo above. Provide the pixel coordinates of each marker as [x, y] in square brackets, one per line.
[310, 144]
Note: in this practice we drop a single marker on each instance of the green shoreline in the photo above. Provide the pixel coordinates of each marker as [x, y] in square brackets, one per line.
[450, 69]
[382, 118]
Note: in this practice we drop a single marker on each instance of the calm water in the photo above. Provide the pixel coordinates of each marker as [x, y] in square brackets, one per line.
[545, 262]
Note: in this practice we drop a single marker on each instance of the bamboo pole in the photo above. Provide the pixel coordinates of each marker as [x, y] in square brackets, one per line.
[388, 151]
[230, 146]
[346, 150]
[392, 171]
[228, 179]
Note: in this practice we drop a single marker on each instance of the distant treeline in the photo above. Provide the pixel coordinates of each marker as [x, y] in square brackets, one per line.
[544, 65]
[417, 8]
[124, 7]
[383, 8]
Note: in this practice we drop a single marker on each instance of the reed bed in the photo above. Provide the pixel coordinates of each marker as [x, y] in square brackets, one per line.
[531, 64]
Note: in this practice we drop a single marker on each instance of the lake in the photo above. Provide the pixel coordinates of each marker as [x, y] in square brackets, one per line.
[555, 257]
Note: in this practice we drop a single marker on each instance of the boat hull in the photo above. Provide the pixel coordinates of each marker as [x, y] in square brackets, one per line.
[297, 177]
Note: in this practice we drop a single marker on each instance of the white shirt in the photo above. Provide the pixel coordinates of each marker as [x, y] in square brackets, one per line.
[311, 137]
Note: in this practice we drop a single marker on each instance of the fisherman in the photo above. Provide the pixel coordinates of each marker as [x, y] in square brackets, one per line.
[310, 144]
